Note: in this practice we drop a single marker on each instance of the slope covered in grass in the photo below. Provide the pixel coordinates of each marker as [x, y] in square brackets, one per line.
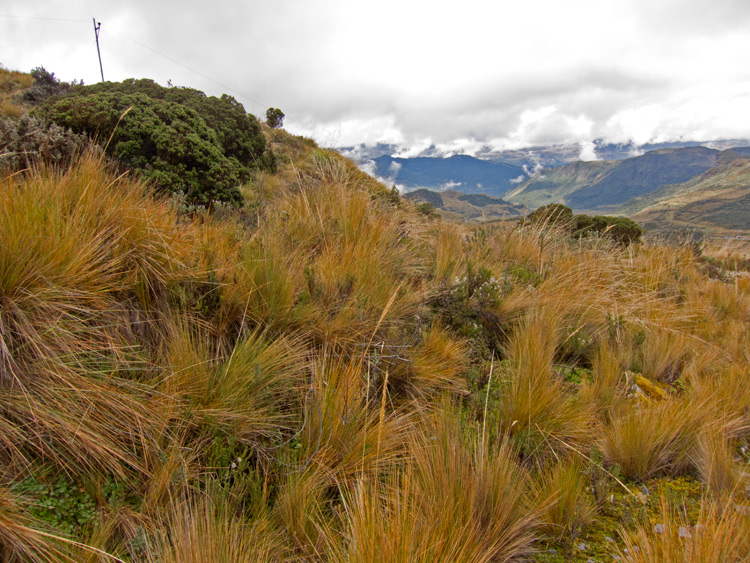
[328, 375]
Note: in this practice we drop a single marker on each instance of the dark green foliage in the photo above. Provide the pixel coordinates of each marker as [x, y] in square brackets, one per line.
[45, 86]
[426, 209]
[28, 141]
[63, 504]
[182, 140]
[621, 229]
[274, 117]
[552, 214]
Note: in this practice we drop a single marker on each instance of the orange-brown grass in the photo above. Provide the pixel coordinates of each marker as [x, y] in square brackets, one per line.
[450, 260]
[21, 539]
[87, 255]
[438, 363]
[329, 258]
[721, 534]
[198, 529]
[534, 405]
[565, 509]
[605, 391]
[12, 83]
[457, 501]
[343, 434]
[714, 458]
[653, 438]
[250, 395]
[299, 511]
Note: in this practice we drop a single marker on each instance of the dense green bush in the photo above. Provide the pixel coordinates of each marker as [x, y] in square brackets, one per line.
[29, 141]
[179, 138]
[621, 229]
[552, 214]
[45, 85]
[274, 117]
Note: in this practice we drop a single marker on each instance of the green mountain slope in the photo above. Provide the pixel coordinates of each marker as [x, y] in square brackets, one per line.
[717, 200]
[601, 185]
[467, 207]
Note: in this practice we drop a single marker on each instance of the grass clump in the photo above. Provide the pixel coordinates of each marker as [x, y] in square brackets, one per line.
[325, 375]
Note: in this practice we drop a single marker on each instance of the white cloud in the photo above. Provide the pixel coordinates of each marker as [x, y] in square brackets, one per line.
[424, 75]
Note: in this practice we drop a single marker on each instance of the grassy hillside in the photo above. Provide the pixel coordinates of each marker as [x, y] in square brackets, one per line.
[715, 202]
[554, 185]
[325, 374]
[12, 82]
[469, 208]
[604, 184]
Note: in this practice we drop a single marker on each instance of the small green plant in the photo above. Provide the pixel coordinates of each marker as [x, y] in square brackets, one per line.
[426, 209]
[62, 503]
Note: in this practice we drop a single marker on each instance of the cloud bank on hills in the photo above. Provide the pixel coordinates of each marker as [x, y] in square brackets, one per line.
[460, 78]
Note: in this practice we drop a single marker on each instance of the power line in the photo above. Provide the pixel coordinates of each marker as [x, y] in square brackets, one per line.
[229, 89]
[41, 18]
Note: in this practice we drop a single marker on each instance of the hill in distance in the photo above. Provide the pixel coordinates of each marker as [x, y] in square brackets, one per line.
[716, 202]
[470, 208]
[460, 172]
[604, 185]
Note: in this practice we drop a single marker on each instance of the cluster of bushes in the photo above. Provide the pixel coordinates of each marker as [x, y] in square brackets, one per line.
[29, 141]
[45, 86]
[182, 140]
[621, 229]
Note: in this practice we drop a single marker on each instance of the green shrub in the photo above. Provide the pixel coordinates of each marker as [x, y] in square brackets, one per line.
[621, 229]
[28, 141]
[274, 118]
[45, 85]
[552, 214]
[178, 138]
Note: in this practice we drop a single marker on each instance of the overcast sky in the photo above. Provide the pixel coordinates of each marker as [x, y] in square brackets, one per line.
[457, 74]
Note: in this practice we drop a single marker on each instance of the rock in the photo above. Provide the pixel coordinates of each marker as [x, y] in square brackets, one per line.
[649, 388]
[582, 546]
[683, 532]
[607, 538]
[659, 528]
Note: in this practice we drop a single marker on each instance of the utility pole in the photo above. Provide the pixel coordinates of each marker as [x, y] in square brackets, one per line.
[97, 27]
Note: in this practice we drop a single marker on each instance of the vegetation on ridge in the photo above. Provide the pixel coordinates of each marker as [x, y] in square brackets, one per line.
[327, 375]
[178, 138]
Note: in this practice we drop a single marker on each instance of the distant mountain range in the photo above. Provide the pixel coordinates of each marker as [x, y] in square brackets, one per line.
[605, 185]
[541, 175]
[667, 189]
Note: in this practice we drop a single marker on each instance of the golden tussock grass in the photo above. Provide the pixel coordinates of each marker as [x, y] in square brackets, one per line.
[310, 378]
[722, 533]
